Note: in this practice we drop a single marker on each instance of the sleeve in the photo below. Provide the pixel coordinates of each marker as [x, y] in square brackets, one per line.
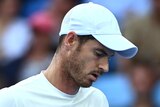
[6, 99]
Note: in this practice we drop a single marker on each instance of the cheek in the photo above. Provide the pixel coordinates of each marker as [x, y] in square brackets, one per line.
[90, 64]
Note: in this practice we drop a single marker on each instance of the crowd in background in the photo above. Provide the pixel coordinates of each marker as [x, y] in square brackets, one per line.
[29, 37]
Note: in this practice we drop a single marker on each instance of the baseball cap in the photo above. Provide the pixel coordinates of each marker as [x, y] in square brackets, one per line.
[96, 20]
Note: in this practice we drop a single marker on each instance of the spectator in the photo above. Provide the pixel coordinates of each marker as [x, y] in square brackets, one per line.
[143, 77]
[56, 11]
[39, 55]
[15, 34]
[144, 31]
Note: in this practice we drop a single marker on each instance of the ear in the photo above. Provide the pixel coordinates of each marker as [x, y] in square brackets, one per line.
[71, 39]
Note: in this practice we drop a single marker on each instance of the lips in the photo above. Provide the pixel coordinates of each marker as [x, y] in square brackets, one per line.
[94, 76]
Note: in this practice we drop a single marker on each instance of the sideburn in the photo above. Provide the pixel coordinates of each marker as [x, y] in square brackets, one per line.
[72, 66]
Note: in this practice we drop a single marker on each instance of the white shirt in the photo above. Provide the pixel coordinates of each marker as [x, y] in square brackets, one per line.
[37, 91]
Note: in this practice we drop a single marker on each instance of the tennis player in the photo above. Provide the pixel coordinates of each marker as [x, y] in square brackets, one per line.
[89, 36]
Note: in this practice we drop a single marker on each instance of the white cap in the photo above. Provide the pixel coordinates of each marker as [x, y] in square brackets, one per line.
[98, 21]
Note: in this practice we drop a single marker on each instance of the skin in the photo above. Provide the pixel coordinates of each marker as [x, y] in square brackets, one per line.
[75, 66]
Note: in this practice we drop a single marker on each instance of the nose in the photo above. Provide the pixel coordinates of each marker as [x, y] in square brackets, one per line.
[104, 65]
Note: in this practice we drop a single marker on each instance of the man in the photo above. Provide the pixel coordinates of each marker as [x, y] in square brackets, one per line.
[89, 35]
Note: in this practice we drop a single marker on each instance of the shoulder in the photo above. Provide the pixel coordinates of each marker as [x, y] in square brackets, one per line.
[6, 98]
[25, 85]
[14, 95]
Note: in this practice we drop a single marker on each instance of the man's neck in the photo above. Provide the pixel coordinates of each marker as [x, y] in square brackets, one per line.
[58, 78]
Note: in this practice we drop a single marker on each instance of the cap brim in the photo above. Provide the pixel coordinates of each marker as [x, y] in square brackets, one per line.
[118, 44]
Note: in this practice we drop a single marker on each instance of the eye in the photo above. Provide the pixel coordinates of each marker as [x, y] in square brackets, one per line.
[99, 53]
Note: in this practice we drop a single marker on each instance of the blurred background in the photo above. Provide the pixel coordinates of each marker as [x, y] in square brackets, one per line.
[29, 37]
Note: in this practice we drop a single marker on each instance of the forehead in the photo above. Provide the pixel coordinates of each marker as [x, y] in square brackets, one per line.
[94, 44]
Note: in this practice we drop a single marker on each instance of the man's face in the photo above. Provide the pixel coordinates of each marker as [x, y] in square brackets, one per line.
[87, 62]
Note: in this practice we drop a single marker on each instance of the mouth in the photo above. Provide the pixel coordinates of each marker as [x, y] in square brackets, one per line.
[94, 76]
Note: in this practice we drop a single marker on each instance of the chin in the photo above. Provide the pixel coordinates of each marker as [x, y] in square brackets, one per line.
[86, 85]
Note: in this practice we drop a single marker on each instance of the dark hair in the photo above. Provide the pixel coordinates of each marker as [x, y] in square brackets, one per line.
[82, 39]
